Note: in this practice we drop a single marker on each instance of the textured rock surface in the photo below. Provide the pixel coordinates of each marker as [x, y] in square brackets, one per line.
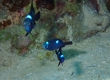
[95, 22]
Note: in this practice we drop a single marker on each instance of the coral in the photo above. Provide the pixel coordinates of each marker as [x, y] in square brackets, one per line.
[12, 11]
[72, 7]
[59, 21]
[71, 0]
[78, 1]
[47, 4]
[59, 6]
[5, 23]
[12, 18]
[15, 17]
[15, 5]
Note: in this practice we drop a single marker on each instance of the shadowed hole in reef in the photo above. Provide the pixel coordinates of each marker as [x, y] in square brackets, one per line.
[78, 68]
[72, 53]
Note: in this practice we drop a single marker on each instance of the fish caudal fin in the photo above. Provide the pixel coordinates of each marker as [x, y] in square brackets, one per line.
[26, 34]
[68, 43]
[59, 63]
[37, 16]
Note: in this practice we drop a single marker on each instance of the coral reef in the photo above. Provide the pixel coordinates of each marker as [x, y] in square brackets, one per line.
[15, 5]
[5, 23]
[60, 6]
[47, 4]
[70, 20]
[11, 19]
[78, 1]
[60, 19]
[13, 12]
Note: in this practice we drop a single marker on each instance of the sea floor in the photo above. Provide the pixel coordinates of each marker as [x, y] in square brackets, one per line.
[86, 60]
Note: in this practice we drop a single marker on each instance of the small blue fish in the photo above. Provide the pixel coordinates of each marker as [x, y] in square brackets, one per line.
[54, 44]
[60, 56]
[29, 22]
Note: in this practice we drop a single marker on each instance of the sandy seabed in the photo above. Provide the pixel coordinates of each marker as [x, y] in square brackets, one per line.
[86, 60]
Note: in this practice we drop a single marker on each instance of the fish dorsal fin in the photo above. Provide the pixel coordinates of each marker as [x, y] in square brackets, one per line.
[32, 4]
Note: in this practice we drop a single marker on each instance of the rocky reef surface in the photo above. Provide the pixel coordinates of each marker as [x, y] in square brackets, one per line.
[84, 22]
[70, 20]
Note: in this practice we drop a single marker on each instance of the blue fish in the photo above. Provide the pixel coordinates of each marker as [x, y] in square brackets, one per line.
[29, 22]
[54, 44]
[60, 56]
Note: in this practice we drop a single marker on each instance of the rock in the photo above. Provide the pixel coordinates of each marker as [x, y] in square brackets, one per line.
[108, 4]
[95, 22]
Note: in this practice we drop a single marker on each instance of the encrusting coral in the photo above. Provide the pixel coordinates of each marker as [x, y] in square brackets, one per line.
[47, 4]
[15, 5]
[14, 12]
[5, 23]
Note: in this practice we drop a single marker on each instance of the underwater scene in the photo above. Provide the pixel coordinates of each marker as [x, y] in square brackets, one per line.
[54, 39]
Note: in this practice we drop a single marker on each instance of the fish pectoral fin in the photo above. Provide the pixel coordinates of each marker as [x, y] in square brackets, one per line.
[59, 63]
[56, 52]
[34, 25]
[37, 16]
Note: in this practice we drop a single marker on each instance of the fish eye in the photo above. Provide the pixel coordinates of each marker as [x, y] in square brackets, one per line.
[57, 41]
[47, 43]
[61, 56]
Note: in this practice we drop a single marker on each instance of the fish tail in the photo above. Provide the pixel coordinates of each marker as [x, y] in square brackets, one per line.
[68, 43]
[26, 34]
